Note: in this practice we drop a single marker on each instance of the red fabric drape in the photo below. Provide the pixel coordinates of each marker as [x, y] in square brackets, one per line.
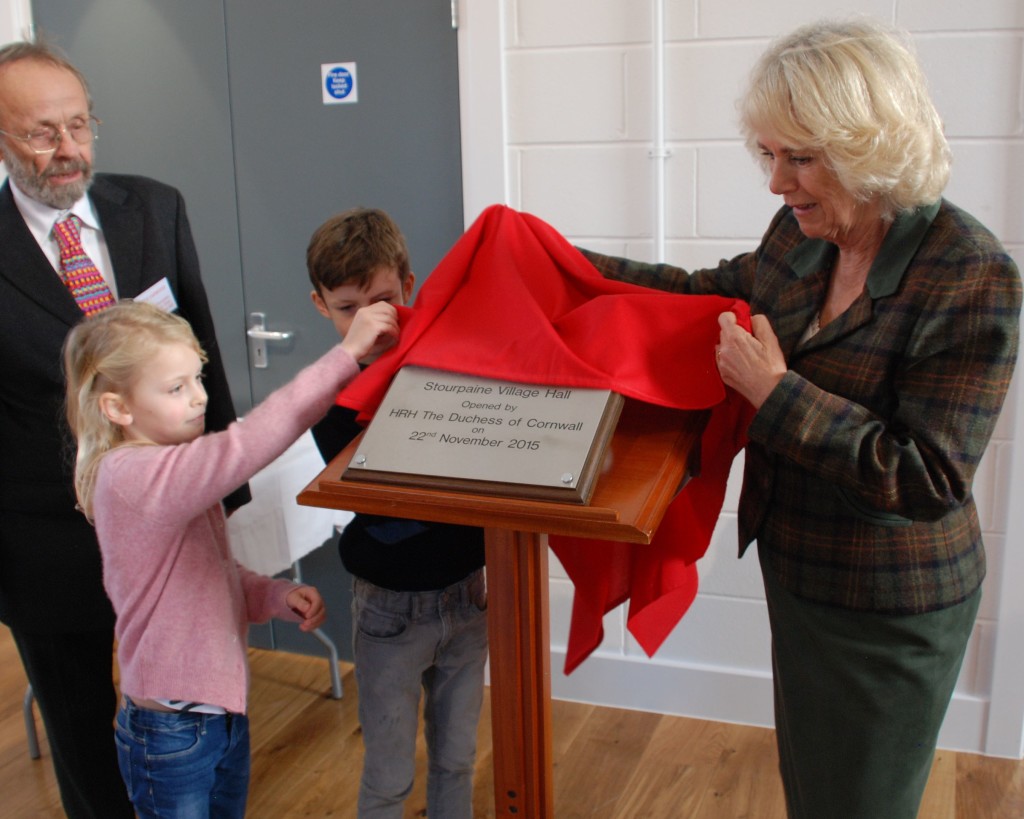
[513, 300]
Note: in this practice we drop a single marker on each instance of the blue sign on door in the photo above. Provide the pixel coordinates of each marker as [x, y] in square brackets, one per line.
[339, 83]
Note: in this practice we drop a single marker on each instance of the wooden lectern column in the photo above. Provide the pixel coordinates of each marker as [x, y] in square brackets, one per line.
[643, 471]
[518, 627]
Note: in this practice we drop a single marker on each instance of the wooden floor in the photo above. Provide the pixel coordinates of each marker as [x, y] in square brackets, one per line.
[609, 763]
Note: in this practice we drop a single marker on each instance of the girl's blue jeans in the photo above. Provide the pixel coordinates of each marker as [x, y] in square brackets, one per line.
[183, 765]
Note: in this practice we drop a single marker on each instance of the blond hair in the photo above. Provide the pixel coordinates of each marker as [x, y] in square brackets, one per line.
[855, 92]
[107, 353]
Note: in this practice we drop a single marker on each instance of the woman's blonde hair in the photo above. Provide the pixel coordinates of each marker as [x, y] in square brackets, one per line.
[855, 92]
[107, 353]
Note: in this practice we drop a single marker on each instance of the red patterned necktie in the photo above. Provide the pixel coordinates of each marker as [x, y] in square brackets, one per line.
[81, 276]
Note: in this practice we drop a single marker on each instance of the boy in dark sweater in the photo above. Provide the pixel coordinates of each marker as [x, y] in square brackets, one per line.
[419, 598]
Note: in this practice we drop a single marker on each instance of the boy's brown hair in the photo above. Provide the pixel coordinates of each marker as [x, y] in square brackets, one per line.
[349, 248]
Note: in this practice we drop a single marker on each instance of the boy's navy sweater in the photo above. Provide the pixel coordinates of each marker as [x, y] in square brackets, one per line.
[395, 553]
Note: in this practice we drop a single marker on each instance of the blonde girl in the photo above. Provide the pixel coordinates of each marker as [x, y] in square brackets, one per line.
[151, 483]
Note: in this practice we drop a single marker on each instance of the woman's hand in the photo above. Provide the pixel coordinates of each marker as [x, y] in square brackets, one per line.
[750, 363]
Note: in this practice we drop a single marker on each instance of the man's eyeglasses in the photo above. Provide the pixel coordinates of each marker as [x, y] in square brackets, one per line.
[45, 140]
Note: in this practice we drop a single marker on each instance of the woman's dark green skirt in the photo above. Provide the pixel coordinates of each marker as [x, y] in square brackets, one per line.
[859, 700]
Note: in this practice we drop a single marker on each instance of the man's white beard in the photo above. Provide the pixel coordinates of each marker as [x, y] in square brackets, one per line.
[34, 184]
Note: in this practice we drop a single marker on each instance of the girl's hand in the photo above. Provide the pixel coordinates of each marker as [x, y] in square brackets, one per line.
[306, 602]
[374, 329]
[752, 364]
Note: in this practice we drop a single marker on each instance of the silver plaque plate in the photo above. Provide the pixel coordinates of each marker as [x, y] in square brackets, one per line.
[466, 432]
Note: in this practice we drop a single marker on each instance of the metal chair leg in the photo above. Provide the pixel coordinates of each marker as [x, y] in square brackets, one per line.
[328, 643]
[30, 724]
[332, 651]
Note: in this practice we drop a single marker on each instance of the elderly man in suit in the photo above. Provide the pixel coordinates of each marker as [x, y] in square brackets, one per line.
[136, 237]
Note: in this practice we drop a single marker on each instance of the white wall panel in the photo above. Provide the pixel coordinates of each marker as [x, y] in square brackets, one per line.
[15, 20]
[733, 200]
[992, 588]
[581, 22]
[575, 189]
[680, 19]
[927, 15]
[681, 194]
[705, 253]
[966, 73]
[721, 574]
[987, 182]
[720, 632]
[1001, 454]
[750, 18]
[702, 110]
[575, 96]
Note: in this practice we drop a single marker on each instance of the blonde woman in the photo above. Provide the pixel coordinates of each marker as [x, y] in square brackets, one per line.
[885, 333]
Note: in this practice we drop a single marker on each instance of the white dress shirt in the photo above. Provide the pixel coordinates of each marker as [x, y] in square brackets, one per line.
[41, 218]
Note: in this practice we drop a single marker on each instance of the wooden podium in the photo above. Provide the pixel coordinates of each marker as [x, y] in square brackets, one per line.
[645, 466]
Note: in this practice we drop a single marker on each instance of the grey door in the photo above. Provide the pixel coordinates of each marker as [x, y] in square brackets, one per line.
[299, 160]
[222, 98]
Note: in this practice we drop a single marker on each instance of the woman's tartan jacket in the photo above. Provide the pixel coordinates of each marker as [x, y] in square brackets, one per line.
[859, 467]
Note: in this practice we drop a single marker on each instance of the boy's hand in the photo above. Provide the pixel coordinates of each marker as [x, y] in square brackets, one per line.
[306, 602]
[374, 330]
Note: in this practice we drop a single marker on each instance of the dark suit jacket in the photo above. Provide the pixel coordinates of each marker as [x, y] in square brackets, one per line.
[50, 572]
[859, 470]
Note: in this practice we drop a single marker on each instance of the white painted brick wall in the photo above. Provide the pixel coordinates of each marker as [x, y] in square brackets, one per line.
[580, 90]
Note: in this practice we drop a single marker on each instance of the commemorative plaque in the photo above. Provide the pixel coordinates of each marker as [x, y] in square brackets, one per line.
[465, 432]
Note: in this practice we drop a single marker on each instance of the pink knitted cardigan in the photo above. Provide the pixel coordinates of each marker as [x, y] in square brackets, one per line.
[183, 603]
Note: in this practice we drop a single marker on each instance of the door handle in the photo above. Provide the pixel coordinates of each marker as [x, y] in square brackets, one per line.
[259, 335]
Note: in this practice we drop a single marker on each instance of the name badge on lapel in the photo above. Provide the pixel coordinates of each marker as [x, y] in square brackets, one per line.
[159, 295]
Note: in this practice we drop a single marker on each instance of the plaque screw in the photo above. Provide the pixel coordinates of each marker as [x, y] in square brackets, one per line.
[567, 478]
[360, 459]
